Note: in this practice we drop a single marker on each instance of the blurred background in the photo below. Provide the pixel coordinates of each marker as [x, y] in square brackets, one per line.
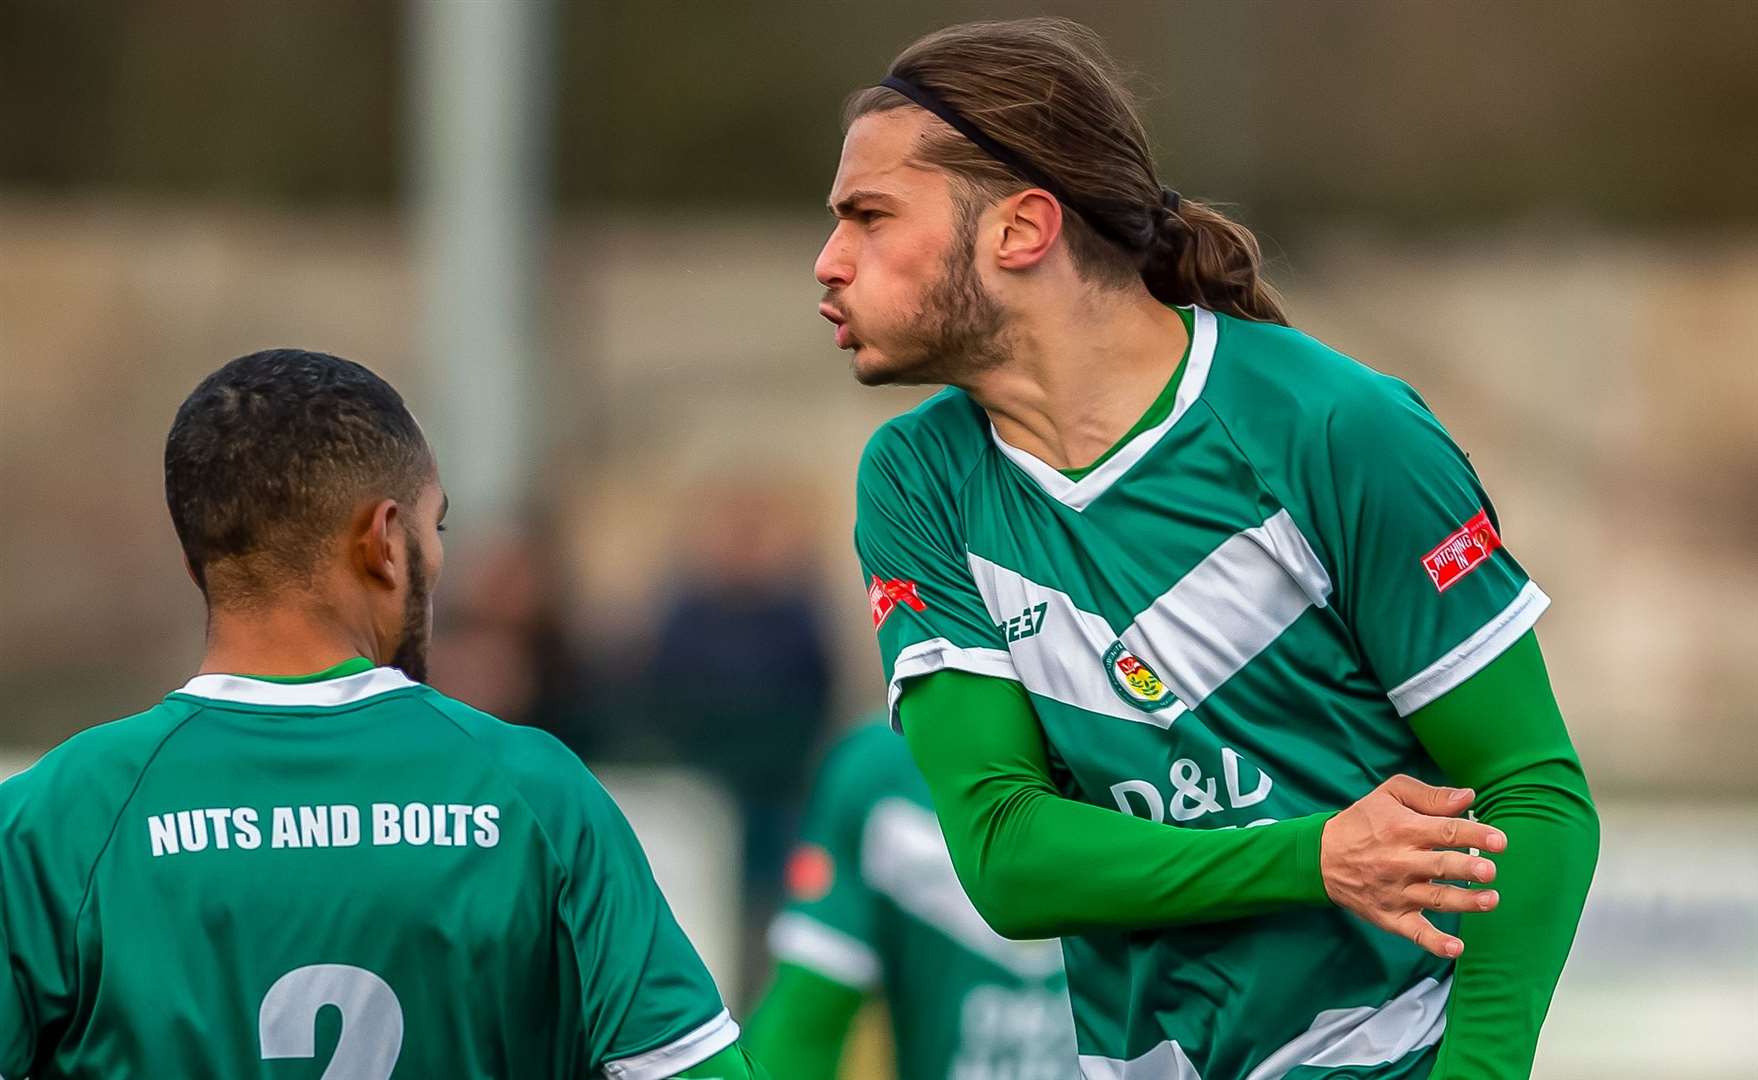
[579, 237]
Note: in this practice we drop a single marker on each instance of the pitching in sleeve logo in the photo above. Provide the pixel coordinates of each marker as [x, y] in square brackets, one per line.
[810, 873]
[1462, 552]
[885, 596]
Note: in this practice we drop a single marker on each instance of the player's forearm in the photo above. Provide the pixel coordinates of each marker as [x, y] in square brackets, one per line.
[1501, 732]
[1037, 865]
[799, 1027]
[1502, 985]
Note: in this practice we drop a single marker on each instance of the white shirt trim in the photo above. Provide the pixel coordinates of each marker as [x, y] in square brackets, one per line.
[1473, 654]
[1337, 1038]
[937, 654]
[330, 692]
[676, 1056]
[841, 957]
[1366, 1035]
[1078, 494]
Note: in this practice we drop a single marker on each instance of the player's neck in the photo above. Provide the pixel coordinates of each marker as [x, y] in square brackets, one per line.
[280, 640]
[1080, 376]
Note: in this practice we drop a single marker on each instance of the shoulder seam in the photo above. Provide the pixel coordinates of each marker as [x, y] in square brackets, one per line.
[1243, 455]
[549, 844]
[1280, 498]
[970, 473]
[985, 440]
[116, 823]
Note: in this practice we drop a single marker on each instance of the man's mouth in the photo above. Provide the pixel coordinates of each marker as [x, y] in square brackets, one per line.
[845, 338]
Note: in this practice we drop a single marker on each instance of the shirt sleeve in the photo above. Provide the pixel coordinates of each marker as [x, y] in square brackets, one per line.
[40, 887]
[651, 1009]
[17, 1035]
[830, 923]
[926, 609]
[1422, 575]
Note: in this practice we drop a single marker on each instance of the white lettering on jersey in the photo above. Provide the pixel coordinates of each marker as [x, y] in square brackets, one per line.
[338, 825]
[1194, 795]
[314, 827]
[217, 825]
[344, 826]
[249, 836]
[192, 829]
[163, 830]
[417, 824]
[387, 824]
[488, 833]
[286, 834]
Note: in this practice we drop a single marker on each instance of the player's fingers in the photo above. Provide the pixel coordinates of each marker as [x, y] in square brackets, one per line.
[1428, 799]
[1418, 929]
[1462, 833]
[1433, 896]
[1458, 866]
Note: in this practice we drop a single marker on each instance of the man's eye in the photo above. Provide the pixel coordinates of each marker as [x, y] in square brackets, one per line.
[869, 217]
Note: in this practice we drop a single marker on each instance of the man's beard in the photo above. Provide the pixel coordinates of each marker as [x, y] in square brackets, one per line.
[958, 331]
[411, 655]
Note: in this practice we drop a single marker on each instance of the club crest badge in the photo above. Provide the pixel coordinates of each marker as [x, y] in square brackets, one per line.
[1136, 682]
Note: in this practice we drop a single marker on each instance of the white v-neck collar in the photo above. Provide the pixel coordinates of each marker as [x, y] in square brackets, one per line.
[1079, 494]
[330, 692]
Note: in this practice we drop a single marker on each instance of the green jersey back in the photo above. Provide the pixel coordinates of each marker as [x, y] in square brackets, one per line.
[1223, 624]
[353, 878]
[874, 903]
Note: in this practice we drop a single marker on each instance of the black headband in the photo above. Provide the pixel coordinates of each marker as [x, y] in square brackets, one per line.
[1011, 158]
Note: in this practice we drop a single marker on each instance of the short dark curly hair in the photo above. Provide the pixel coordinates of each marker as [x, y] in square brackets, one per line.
[268, 456]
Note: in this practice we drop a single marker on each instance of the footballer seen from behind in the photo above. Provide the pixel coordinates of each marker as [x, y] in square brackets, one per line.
[874, 907]
[305, 862]
[1186, 617]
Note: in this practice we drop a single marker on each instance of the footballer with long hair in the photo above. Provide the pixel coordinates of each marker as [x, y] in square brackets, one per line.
[1203, 635]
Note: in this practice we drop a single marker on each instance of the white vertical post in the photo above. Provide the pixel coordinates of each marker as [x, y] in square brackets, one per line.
[480, 109]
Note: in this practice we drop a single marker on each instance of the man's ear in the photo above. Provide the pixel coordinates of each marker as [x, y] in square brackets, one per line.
[380, 548]
[1030, 223]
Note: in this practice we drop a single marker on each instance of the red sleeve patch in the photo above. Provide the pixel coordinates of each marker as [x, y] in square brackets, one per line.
[884, 596]
[810, 873]
[1462, 552]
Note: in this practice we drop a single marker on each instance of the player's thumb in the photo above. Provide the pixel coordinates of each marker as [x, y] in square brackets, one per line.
[1428, 799]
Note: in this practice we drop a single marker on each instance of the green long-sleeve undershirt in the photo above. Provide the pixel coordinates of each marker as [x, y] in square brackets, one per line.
[1014, 839]
[1038, 865]
[1501, 733]
[800, 1026]
[733, 1063]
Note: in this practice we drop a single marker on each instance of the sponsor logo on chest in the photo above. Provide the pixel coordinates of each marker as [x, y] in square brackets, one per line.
[1135, 681]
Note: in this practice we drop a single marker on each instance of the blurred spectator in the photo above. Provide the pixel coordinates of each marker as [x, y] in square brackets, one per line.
[739, 678]
[502, 644]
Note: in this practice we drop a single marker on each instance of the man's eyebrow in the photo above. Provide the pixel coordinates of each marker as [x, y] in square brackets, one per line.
[845, 206]
[445, 506]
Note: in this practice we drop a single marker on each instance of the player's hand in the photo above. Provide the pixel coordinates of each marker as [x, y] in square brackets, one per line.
[1383, 859]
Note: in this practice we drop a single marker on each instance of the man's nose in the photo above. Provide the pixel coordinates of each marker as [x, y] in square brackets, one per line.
[834, 268]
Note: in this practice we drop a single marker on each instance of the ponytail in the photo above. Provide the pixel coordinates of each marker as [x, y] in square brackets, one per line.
[1040, 102]
[1201, 256]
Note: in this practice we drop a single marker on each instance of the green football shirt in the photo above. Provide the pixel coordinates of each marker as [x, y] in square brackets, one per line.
[350, 878]
[1221, 625]
[874, 904]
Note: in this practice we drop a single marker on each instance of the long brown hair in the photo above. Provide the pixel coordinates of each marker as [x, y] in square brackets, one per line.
[1047, 89]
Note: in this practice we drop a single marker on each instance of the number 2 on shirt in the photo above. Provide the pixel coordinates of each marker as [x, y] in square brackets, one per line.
[372, 1020]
